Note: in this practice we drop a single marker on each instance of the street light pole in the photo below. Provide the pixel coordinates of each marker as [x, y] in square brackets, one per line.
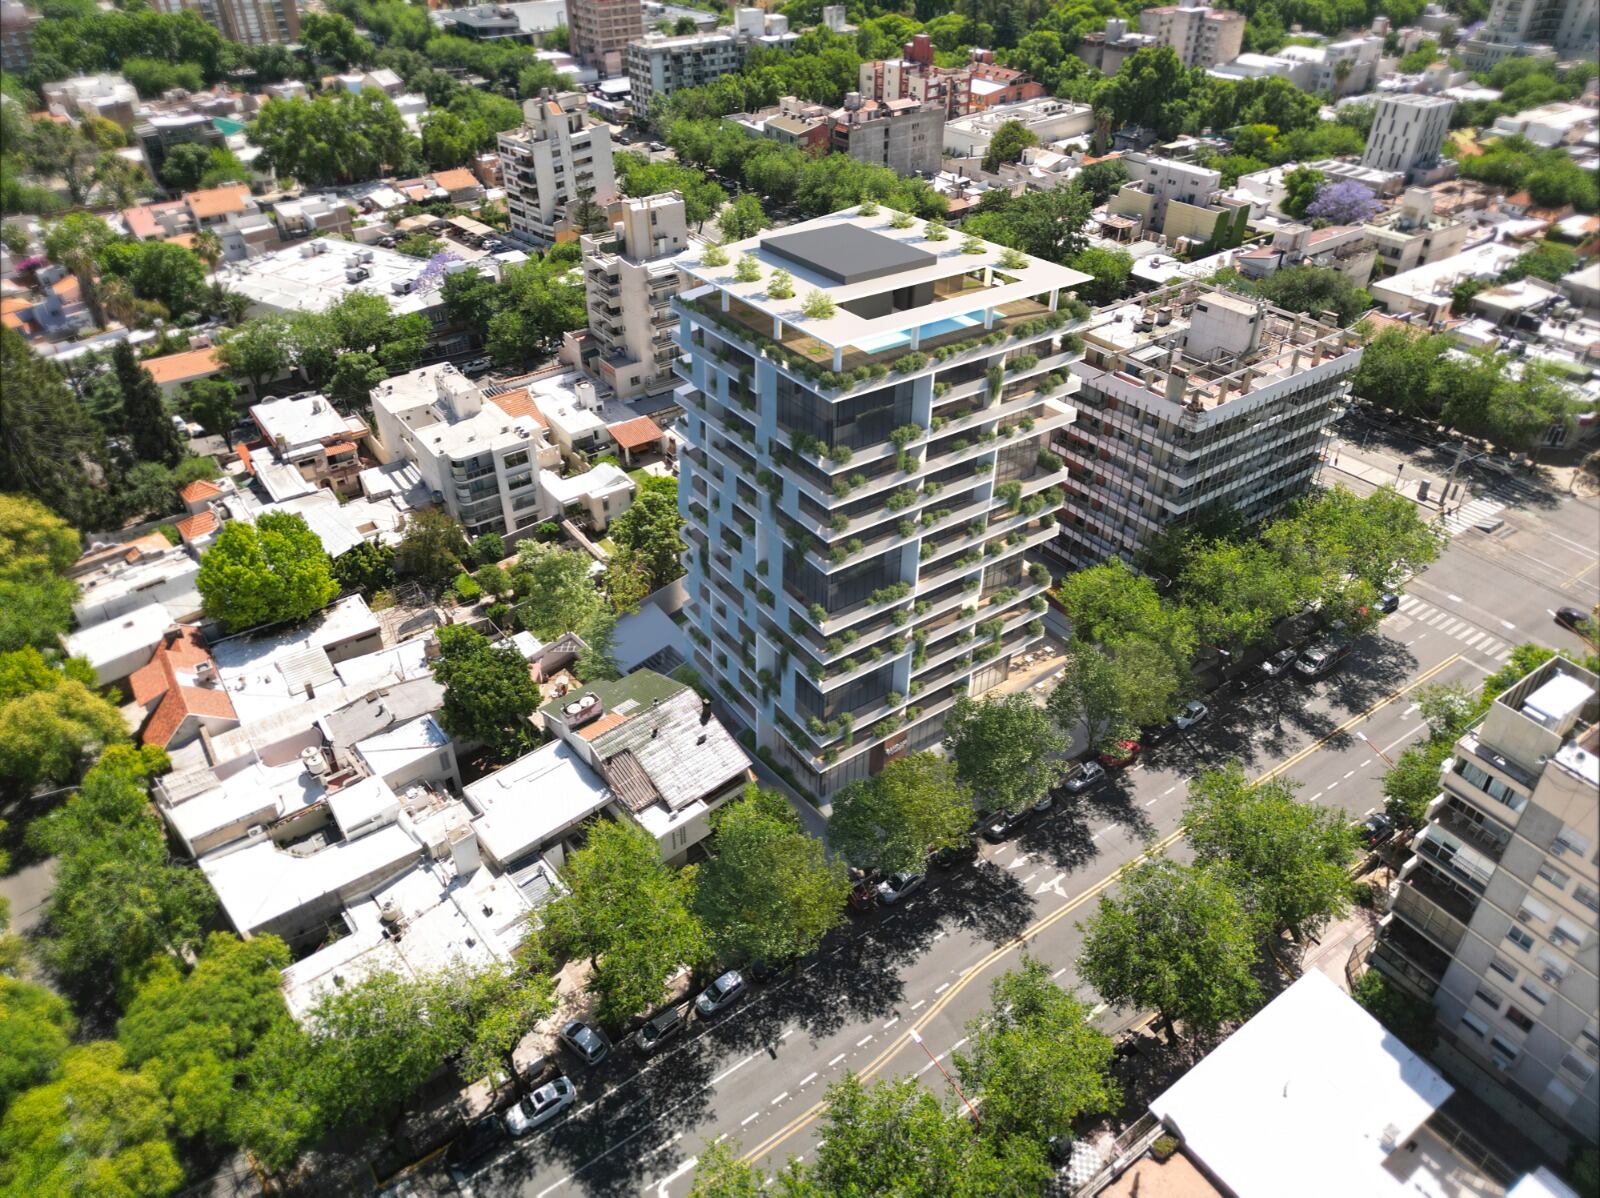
[916, 1036]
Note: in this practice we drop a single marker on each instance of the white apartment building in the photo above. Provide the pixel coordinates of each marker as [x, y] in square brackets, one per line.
[554, 160]
[1494, 916]
[1048, 119]
[1407, 132]
[861, 487]
[1202, 36]
[629, 279]
[480, 460]
[1179, 201]
[660, 64]
[1193, 402]
[1568, 27]
[253, 22]
[1411, 235]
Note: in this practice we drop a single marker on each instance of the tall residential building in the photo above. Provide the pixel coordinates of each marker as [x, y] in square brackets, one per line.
[659, 65]
[861, 485]
[1407, 132]
[16, 36]
[552, 162]
[253, 22]
[1570, 27]
[903, 135]
[1203, 36]
[1193, 401]
[601, 31]
[629, 279]
[1494, 915]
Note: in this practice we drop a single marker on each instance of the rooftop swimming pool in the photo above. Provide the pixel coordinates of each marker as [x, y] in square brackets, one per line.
[950, 324]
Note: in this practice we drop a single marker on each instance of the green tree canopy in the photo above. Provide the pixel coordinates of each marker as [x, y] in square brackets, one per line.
[555, 593]
[650, 529]
[36, 546]
[35, 1030]
[632, 916]
[1008, 751]
[768, 893]
[144, 411]
[1007, 144]
[50, 722]
[432, 547]
[272, 571]
[1174, 939]
[892, 821]
[50, 449]
[489, 693]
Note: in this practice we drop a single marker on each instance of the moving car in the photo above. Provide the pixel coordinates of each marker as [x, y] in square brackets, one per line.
[1375, 829]
[1388, 602]
[661, 1028]
[721, 994]
[1320, 660]
[543, 1105]
[1126, 752]
[898, 886]
[1571, 618]
[1084, 776]
[588, 1041]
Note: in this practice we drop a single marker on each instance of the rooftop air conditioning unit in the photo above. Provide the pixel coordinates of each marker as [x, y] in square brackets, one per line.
[581, 710]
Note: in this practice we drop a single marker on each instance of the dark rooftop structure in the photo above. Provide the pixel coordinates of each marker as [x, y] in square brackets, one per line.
[846, 253]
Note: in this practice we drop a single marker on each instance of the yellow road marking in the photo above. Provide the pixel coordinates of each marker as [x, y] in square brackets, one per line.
[800, 1121]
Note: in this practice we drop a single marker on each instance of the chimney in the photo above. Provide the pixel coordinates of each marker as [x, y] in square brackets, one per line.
[1177, 380]
[464, 851]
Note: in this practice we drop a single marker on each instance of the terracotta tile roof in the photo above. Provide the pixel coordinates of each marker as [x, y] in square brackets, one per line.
[67, 289]
[183, 650]
[459, 179]
[519, 403]
[180, 367]
[201, 488]
[218, 201]
[127, 551]
[601, 726]
[141, 222]
[1522, 199]
[339, 447]
[192, 528]
[639, 433]
[186, 240]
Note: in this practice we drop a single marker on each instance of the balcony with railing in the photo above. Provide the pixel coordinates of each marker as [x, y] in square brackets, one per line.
[1433, 908]
[1418, 958]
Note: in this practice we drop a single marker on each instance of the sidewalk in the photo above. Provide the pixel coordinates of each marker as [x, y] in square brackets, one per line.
[1382, 470]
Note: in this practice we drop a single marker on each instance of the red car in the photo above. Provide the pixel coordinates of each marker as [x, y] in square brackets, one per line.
[1126, 753]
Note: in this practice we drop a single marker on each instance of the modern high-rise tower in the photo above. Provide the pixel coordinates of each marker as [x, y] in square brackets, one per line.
[866, 473]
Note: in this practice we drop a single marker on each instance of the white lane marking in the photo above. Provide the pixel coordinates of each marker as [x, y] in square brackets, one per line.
[1316, 796]
[864, 1041]
[1507, 624]
[748, 1119]
[1474, 639]
[786, 1035]
[1150, 803]
[1029, 878]
[1409, 710]
[1331, 785]
[1022, 859]
[1051, 884]
[808, 1079]
[720, 1138]
[1058, 973]
[925, 1069]
[836, 1060]
[891, 1023]
[1100, 833]
[1168, 791]
[939, 937]
[1350, 774]
[779, 1098]
[921, 1002]
[661, 1190]
[1455, 598]
[729, 1072]
[1099, 1007]
[942, 988]
[554, 1188]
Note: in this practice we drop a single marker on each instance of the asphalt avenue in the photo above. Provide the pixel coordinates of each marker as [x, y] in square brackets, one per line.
[757, 1074]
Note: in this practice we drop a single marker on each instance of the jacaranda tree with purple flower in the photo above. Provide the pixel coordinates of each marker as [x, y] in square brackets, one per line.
[1344, 203]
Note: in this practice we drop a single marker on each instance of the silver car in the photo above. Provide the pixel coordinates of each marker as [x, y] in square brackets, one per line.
[892, 889]
[721, 994]
[588, 1041]
[543, 1105]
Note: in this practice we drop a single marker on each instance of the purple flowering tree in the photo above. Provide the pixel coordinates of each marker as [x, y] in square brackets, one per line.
[1344, 203]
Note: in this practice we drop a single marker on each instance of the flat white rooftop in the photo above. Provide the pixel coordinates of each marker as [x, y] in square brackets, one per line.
[115, 638]
[266, 673]
[536, 797]
[1312, 1096]
[289, 280]
[304, 419]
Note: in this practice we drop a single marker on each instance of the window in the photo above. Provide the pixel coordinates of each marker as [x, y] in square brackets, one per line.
[1532, 910]
[1588, 898]
[1501, 792]
[1521, 939]
[1578, 1067]
[1568, 841]
[1504, 968]
[1488, 995]
[1509, 1051]
[1518, 1020]
[1554, 876]
[1475, 1025]
[1567, 933]
[1535, 991]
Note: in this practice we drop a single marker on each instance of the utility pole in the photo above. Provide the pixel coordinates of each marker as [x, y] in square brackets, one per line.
[917, 1037]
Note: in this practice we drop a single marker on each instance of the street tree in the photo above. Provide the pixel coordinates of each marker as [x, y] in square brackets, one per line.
[555, 593]
[1414, 1020]
[892, 821]
[1174, 939]
[266, 573]
[497, 1006]
[213, 404]
[432, 547]
[650, 529]
[1289, 860]
[768, 893]
[1412, 782]
[742, 218]
[629, 914]
[51, 725]
[353, 378]
[488, 692]
[144, 412]
[36, 1027]
[36, 547]
[1090, 690]
[98, 1128]
[256, 351]
[1034, 1059]
[189, 1032]
[1008, 751]
[50, 447]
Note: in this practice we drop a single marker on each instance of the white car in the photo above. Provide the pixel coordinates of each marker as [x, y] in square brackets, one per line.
[543, 1105]
[892, 889]
[1194, 712]
[721, 994]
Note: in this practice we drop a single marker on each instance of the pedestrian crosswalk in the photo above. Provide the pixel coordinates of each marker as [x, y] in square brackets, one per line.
[1474, 511]
[1469, 634]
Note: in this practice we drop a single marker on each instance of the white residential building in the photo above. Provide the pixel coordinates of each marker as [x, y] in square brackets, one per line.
[115, 579]
[1407, 132]
[1425, 290]
[1048, 119]
[660, 64]
[1202, 36]
[629, 279]
[1411, 235]
[480, 459]
[556, 159]
[1567, 28]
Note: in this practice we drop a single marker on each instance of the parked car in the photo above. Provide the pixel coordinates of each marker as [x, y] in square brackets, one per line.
[661, 1028]
[1004, 824]
[1388, 602]
[865, 893]
[721, 994]
[1375, 829]
[1321, 660]
[899, 886]
[1084, 776]
[1276, 665]
[1194, 713]
[588, 1041]
[1571, 618]
[476, 366]
[950, 856]
[480, 1140]
[1125, 753]
[543, 1105]
[1155, 734]
[762, 972]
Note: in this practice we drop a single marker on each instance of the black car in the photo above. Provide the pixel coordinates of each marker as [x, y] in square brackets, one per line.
[762, 972]
[661, 1028]
[481, 1139]
[1157, 733]
[1388, 602]
[1571, 618]
[949, 857]
[1375, 829]
[1004, 824]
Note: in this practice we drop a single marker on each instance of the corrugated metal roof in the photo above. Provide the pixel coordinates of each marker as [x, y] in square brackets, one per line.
[629, 782]
[684, 759]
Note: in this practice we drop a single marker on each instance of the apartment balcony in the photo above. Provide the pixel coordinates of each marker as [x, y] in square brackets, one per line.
[1407, 952]
[1431, 907]
[1487, 837]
